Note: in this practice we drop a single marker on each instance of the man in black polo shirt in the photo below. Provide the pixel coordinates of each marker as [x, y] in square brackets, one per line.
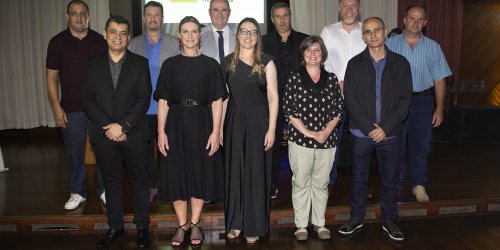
[67, 54]
[283, 44]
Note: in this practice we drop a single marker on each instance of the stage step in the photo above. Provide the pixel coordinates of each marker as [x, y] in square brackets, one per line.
[279, 218]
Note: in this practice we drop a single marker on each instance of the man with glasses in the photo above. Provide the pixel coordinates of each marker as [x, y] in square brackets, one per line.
[283, 44]
[218, 38]
[429, 70]
[156, 46]
[67, 54]
[377, 95]
[343, 41]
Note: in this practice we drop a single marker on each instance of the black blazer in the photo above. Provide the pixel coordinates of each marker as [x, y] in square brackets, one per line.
[127, 105]
[359, 92]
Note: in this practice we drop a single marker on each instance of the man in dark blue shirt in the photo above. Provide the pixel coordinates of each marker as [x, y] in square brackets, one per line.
[377, 94]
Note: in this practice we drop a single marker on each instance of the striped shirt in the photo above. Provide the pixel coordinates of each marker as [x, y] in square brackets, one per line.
[426, 60]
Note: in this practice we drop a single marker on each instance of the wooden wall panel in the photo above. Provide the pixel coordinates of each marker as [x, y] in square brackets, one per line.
[444, 25]
[480, 57]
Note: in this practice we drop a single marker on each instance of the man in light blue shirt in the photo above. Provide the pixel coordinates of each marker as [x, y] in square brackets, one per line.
[156, 46]
[429, 69]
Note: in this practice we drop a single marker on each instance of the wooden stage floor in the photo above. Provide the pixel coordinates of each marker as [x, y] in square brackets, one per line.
[464, 179]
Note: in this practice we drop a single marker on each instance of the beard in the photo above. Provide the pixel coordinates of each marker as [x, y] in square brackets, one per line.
[349, 20]
[153, 26]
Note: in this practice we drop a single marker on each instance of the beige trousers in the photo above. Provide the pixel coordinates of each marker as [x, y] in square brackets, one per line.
[311, 175]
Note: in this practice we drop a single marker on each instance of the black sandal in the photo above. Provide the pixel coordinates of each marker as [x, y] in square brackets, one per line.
[179, 235]
[196, 233]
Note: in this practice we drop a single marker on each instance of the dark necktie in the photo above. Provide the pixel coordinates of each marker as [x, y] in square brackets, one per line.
[221, 46]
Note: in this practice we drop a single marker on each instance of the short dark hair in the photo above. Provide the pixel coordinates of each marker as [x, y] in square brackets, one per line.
[279, 5]
[77, 2]
[189, 19]
[307, 43]
[416, 6]
[153, 4]
[118, 20]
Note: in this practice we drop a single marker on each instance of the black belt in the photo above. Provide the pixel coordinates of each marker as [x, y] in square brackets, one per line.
[189, 102]
[426, 92]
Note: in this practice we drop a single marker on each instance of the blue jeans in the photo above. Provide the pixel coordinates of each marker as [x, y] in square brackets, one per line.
[416, 137]
[387, 153]
[74, 136]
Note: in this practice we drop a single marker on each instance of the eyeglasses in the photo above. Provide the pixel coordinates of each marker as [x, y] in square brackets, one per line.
[374, 31]
[217, 11]
[245, 32]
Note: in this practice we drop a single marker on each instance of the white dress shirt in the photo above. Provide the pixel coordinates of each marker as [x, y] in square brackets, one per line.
[341, 46]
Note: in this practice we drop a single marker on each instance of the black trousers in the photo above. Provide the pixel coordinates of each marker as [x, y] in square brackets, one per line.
[275, 169]
[152, 148]
[112, 157]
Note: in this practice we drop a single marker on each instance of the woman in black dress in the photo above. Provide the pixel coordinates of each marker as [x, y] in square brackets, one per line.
[250, 121]
[190, 93]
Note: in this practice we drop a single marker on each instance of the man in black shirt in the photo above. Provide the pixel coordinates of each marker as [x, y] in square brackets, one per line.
[283, 44]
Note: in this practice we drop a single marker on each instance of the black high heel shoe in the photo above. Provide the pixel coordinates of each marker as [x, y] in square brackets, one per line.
[196, 234]
[179, 236]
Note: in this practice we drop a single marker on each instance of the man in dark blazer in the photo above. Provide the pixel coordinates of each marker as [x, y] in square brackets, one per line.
[116, 94]
[283, 44]
[377, 95]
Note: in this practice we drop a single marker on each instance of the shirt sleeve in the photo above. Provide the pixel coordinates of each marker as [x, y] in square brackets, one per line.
[441, 68]
[289, 99]
[337, 96]
[217, 87]
[53, 60]
[163, 85]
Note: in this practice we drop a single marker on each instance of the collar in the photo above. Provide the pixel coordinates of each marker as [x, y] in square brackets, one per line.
[389, 57]
[290, 37]
[403, 38]
[69, 34]
[145, 36]
[308, 82]
[121, 59]
[358, 26]
[225, 29]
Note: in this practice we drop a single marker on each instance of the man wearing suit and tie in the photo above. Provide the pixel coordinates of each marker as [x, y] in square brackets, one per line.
[218, 38]
[116, 94]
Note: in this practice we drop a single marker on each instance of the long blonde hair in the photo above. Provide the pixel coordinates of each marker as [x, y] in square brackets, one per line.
[257, 67]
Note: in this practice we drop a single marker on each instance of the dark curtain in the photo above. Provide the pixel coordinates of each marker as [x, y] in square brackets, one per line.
[444, 25]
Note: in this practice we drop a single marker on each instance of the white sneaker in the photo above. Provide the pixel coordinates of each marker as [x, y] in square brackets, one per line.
[420, 194]
[103, 197]
[74, 201]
